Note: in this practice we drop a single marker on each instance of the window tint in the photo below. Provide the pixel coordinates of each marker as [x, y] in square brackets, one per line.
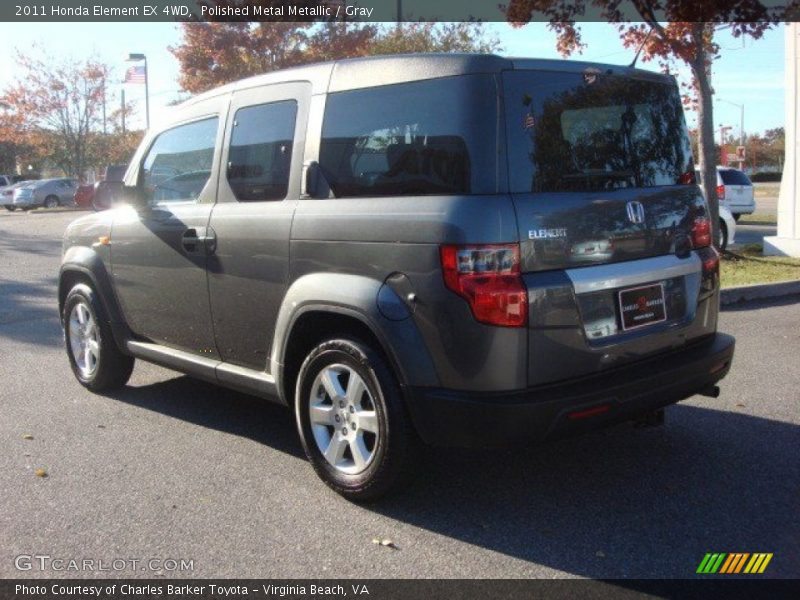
[427, 137]
[592, 132]
[261, 151]
[178, 164]
[734, 177]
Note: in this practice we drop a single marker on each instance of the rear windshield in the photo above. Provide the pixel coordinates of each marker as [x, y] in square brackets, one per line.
[734, 177]
[412, 138]
[592, 132]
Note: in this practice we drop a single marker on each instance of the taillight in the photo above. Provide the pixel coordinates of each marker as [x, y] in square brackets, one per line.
[701, 232]
[687, 178]
[488, 278]
[720, 192]
[710, 258]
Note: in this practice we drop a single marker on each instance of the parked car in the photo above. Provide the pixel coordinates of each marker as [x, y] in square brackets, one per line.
[386, 251]
[102, 196]
[727, 228]
[734, 191]
[7, 195]
[84, 195]
[726, 232]
[6, 180]
[48, 193]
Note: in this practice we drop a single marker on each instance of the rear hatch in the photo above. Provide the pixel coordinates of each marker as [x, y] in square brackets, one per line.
[602, 178]
[738, 189]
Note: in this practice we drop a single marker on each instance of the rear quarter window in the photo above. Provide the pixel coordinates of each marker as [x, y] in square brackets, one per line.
[427, 137]
[734, 177]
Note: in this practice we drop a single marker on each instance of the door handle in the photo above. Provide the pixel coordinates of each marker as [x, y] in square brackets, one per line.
[199, 239]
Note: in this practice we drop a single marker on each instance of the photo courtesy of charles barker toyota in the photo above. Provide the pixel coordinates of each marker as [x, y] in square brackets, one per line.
[454, 250]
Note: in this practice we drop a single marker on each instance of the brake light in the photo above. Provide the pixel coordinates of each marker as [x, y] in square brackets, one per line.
[488, 278]
[710, 258]
[701, 232]
[687, 178]
[721, 192]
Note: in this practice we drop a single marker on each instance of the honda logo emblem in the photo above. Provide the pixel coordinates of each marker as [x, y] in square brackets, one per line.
[635, 212]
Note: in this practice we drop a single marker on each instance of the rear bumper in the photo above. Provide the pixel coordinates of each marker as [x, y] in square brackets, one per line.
[464, 419]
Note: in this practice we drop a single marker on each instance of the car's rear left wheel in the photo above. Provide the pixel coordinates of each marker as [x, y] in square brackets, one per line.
[352, 421]
[51, 201]
[93, 355]
[723, 235]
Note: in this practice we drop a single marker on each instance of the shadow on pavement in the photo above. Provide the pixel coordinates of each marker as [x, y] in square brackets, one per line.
[29, 312]
[623, 502]
[208, 405]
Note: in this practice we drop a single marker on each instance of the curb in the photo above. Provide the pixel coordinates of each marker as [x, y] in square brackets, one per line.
[53, 211]
[745, 293]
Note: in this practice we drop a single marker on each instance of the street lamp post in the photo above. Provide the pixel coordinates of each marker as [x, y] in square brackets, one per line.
[723, 156]
[136, 57]
[741, 124]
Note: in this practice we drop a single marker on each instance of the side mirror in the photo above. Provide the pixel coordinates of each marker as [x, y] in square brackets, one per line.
[112, 193]
[314, 181]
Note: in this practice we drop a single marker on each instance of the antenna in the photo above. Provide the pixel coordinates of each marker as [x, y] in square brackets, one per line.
[639, 51]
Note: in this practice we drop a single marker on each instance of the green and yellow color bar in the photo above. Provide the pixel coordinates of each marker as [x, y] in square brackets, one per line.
[735, 562]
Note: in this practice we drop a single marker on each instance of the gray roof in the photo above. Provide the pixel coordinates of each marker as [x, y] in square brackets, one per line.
[354, 73]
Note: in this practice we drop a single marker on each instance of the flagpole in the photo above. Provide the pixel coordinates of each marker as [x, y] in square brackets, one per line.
[146, 94]
[136, 57]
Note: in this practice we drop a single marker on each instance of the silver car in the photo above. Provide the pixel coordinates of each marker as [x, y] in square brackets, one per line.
[49, 193]
[734, 190]
[7, 194]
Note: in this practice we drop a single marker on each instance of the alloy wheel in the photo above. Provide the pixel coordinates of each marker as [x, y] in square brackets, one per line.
[84, 339]
[343, 419]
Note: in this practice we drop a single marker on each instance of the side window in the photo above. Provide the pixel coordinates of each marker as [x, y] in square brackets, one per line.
[260, 155]
[426, 137]
[178, 164]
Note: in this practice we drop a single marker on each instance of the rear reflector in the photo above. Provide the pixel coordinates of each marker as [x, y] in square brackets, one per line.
[718, 367]
[720, 192]
[488, 278]
[589, 412]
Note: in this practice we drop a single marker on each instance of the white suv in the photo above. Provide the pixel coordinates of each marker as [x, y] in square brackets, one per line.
[734, 190]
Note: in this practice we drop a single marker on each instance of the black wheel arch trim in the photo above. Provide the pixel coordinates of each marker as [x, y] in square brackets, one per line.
[400, 341]
[87, 262]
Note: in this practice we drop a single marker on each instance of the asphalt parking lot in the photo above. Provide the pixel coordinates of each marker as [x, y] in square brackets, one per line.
[172, 468]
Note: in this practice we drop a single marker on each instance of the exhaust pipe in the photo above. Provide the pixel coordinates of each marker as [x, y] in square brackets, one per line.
[711, 391]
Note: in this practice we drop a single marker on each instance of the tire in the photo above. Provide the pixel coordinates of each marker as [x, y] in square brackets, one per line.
[11, 208]
[51, 202]
[105, 368]
[723, 235]
[373, 423]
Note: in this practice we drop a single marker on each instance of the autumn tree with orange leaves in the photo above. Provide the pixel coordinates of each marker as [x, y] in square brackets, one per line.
[215, 53]
[53, 113]
[667, 31]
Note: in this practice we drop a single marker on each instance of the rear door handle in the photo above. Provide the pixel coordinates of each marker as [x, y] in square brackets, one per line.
[198, 240]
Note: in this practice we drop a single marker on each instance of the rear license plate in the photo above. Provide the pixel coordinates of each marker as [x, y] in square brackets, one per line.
[641, 306]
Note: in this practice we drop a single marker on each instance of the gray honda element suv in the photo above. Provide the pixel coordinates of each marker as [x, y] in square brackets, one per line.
[458, 250]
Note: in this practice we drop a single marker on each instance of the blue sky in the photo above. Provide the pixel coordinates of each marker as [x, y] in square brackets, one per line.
[749, 74]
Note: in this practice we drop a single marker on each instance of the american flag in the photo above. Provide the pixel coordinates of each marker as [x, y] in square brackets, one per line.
[135, 75]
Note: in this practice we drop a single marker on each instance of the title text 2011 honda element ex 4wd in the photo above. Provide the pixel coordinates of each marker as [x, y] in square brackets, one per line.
[458, 250]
